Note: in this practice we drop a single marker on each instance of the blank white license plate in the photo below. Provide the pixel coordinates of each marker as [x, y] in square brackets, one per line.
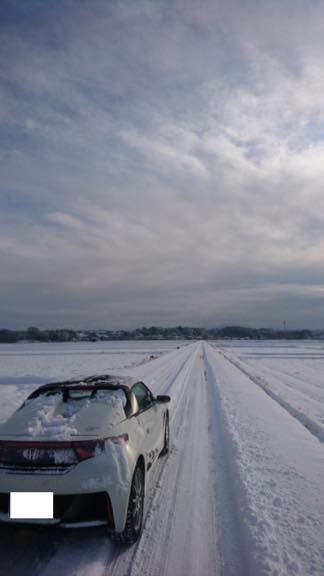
[31, 505]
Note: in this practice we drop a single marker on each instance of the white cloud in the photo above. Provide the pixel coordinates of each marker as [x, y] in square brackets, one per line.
[163, 160]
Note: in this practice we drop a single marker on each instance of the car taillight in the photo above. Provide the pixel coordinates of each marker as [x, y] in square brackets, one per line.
[36, 454]
[109, 512]
[43, 453]
[88, 449]
[92, 448]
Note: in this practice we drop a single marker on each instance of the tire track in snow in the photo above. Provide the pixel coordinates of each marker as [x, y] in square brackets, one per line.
[233, 545]
[148, 556]
[193, 524]
[160, 378]
[90, 552]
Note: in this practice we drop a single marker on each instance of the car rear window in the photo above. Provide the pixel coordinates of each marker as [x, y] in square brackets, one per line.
[79, 394]
[106, 395]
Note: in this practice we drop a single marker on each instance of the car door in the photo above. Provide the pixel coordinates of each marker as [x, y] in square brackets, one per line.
[148, 418]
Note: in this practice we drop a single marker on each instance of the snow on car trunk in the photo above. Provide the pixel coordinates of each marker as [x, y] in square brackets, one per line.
[51, 417]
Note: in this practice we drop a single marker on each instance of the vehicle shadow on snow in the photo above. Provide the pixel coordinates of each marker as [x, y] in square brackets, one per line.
[23, 549]
[30, 550]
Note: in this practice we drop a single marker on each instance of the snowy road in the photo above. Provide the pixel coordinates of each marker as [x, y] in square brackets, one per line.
[241, 493]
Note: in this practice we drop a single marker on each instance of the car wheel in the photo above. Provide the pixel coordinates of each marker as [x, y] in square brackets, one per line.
[134, 520]
[166, 445]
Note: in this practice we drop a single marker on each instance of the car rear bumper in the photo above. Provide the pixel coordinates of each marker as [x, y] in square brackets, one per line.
[69, 511]
[100, 474]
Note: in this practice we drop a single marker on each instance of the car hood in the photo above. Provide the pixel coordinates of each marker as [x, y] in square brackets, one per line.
[52, 419]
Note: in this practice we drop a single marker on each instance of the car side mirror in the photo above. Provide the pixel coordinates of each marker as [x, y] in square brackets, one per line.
[163, 399]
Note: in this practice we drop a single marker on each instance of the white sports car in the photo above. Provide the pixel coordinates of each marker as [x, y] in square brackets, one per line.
[92, 443]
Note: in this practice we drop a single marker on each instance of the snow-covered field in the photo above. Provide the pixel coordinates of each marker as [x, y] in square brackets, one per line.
[242, 491]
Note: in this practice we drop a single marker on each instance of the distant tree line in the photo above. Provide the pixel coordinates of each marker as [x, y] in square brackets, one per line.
[34, 334]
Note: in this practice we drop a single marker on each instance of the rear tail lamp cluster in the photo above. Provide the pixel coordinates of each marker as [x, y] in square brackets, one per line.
[44, 453]
[89, 449]
[92, 448]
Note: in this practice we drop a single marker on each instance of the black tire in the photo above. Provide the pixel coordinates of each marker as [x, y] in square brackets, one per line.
[134, 519]
[166, 445]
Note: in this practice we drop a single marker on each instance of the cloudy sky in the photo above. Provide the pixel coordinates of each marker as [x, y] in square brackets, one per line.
[162, 162]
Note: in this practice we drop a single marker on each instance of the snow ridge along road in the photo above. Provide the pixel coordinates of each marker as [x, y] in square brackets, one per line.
[291, 404]
[280, 471]
[240, 494]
